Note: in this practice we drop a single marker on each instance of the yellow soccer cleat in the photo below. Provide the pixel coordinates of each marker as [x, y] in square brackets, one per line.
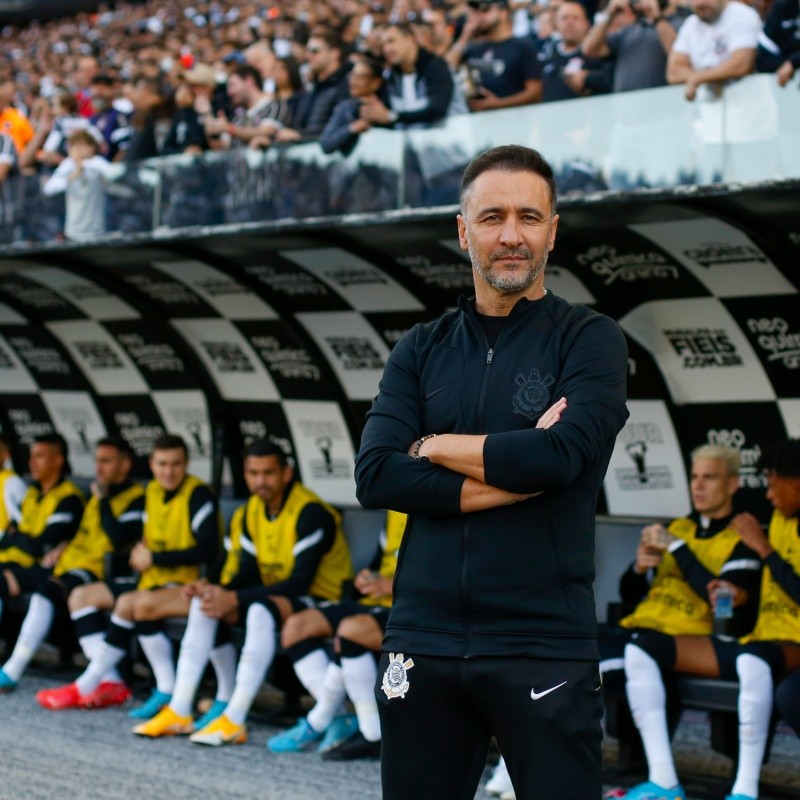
[165, 723]
[220, 731]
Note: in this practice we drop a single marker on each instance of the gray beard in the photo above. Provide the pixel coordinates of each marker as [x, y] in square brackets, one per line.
[507, 282]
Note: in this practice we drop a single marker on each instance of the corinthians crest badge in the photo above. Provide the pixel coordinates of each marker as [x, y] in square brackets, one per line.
[395, 679]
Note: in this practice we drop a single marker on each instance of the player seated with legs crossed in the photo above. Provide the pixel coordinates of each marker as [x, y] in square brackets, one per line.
[671, 628]
[181, 534]
[50, 513]
[358, 627]
[111, 522]
[291, 555]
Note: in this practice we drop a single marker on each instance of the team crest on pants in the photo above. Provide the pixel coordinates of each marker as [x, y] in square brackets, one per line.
[395, 679]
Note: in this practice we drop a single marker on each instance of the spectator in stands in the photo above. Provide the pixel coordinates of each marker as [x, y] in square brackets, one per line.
[260, 56]
[346, 125]
[288, 85]
[438, 33]
[502, 69]
[12, 487]
[290, 554]
[716, 44]
[65, 122]
[567, 72]
[779, 42]
[49, 517]
[8, 162]
[82, 176]
[419, 86]
[150, 119]
[643, 34]
[679, 571]
[112, 116]
[772, 650]
[193, 107]
[358, 627]
[328, 72]
[85, 71]
[13, 122]
[181, 534]
[111, 522]
[257, 117]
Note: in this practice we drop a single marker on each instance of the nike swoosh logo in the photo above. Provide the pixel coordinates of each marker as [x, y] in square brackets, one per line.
[428, 395]
[539, 695]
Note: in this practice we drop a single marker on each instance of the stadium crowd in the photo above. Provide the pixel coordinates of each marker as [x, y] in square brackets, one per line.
[711, 595]
[145, 79]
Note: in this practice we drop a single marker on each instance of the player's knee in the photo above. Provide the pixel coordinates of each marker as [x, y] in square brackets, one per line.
[296, 628]
[360, 629]
[659, 646]
[144, 607]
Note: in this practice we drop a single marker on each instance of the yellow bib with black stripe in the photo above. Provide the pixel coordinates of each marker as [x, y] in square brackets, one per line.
[276, 544]
[392, 536]
[233, 546]
[778, 615]
[5, 519]
[671, 605]
[168, 526]
[91, 543]
[37, 508]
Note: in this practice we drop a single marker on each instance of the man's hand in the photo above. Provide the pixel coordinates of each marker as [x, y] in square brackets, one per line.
[657, 537]
[190, 590]
[370, 584]
[785, 73]
[98, 490]
[739, 594]
[141, 559]
[214, 126]
[50, 558]
[288, 135]
[219, 603]
[359, 126]
[576, 80]
[690, 87]
[553, 414]
[485, 101]
[647, 558]
[374, 111]
[751, 533]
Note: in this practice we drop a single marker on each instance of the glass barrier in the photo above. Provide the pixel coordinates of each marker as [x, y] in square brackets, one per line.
[647, 139]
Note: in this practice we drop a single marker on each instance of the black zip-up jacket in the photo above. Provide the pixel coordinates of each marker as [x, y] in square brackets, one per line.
[517, 579]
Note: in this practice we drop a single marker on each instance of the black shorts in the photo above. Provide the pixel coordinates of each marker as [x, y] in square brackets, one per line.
[335, 612]
[119, 586]
[28, 578]
[74, 578]
[438, 716]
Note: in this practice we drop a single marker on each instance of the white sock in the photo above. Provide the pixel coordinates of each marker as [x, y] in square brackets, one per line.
[223, 659]
[35, 628]
[755, 710]
[360, 674]
[198, 639]
[158, 650]
[331, 697]
[257, 655]
[106, 658]
[648, 701]
[310, 669]
[91, 643]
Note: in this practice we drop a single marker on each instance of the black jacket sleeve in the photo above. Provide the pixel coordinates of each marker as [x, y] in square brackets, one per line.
[633, 586]
[785, 575]
[62, 525]
[593, 380]
[205, 527]
[125, 529]
[336, 134]
[316, 530]
[386, 476]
